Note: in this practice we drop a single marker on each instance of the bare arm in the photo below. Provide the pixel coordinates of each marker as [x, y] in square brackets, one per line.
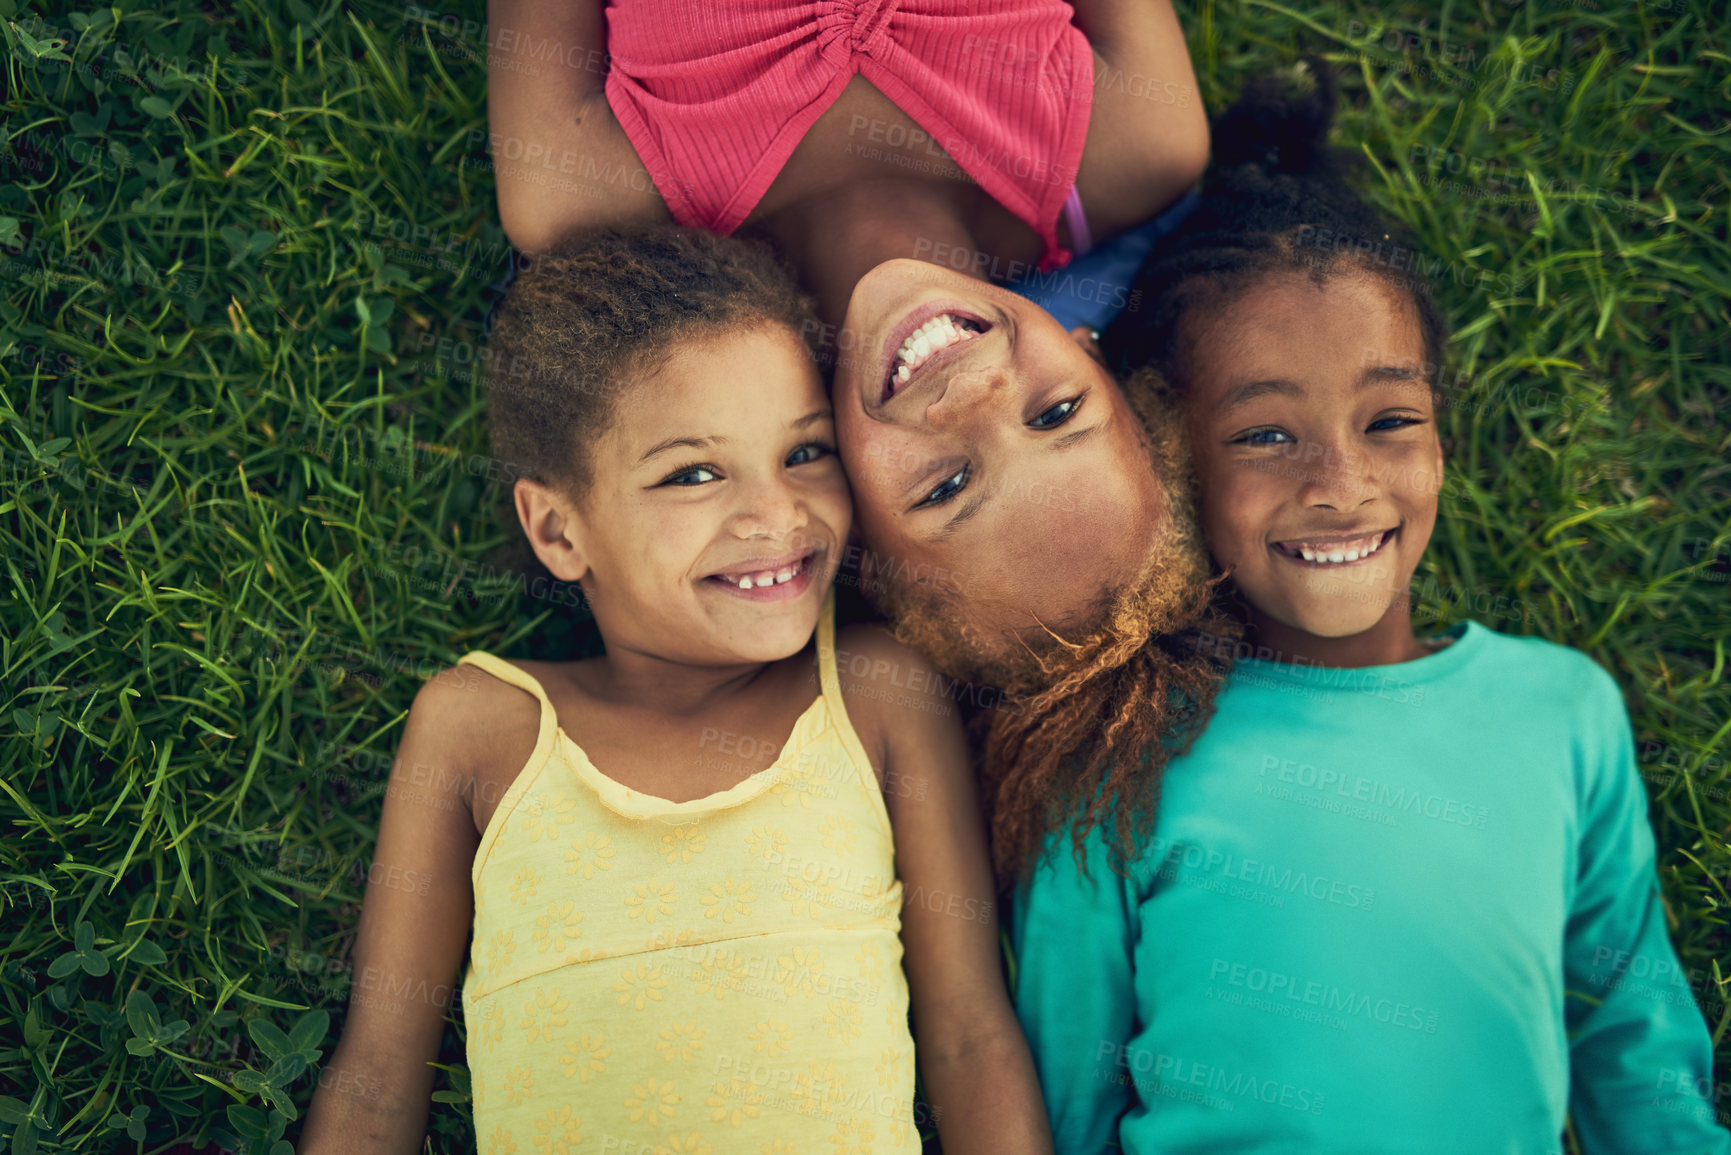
[1148, 133]
[979, 1073]
[561, 161]
[374, 1093]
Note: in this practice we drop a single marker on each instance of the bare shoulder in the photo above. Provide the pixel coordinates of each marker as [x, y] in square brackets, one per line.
[893, 692]
[472, 727]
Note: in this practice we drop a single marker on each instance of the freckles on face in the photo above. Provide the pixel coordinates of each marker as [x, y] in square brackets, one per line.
[1038, 524]
[1008, 466]
[719, 507]
[1316, 447]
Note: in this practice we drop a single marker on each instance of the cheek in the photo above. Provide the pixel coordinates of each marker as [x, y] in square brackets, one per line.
[832, 502]
[1234, 493]
[1418, 477]
[664, 543]
[880, 462]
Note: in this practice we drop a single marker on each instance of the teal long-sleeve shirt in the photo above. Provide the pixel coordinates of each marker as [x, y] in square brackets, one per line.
[1408, 908]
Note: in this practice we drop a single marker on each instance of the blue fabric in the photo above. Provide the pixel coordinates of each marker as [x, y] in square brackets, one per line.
[1095, 287]
[1406, 908]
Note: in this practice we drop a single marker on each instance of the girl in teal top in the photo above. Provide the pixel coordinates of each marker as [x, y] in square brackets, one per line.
[1400, 894]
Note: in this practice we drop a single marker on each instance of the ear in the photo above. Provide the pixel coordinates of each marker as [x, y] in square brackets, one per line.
[1089, 340]
[554, 527]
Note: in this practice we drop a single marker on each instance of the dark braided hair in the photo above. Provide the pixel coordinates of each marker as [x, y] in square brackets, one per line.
[1276, 199]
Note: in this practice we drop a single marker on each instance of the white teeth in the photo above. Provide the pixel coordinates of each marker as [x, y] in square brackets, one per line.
[938, 333]
[768, 578]
[1330, 556]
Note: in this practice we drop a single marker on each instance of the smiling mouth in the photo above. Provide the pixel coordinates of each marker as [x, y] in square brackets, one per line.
[929, 342]
[1334, 550]
[761, 573]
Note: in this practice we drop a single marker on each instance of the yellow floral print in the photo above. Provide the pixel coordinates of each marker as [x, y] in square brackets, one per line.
[524, 884]
[493, 1027]
[641, 987]
[544, 1014]
[545, 815]
[651, 900]
[519, 1081]
[772, 1037]
[561, 921]
[809, 891]
[734, 1101]
[681, 1042]
[680, 843]
[853, 1135]
[651, 1102]
[589, 855]
[819, 1089]
[800, 783]
[889, 1067]
[729, 900]
[500, 950]
[586, 1057]
[721, 974]
[727, 971]
[844, 1020]
[799, 971]
[871, 963]
[839, 833]
[767, 842]
[558, 1132]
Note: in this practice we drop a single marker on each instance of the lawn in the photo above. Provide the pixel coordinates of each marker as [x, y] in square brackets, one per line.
[246, 506]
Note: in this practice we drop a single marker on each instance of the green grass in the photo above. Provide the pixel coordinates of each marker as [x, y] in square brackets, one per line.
[244, 513]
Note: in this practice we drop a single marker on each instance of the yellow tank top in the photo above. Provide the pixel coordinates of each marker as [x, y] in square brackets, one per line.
[714, 976]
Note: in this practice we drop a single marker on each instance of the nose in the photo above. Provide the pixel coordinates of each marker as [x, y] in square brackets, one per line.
[1340, 479]
[769, 509]
[968, 394]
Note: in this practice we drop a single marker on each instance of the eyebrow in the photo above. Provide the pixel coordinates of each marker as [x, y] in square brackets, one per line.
[974, 506]
[811, 418]
[1251, 390]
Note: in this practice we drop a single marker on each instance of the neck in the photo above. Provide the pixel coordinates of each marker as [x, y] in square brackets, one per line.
[633, 678]
[1388, 643]
[885, 219]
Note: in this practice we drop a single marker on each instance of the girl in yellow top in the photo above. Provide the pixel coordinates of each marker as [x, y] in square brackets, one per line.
[695, 868]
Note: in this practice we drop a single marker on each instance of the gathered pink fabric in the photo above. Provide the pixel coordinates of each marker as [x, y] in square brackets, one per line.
[716, 94]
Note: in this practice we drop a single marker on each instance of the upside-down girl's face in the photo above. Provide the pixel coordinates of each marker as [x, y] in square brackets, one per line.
[717, 509]
[1316, 447]
[989, 450]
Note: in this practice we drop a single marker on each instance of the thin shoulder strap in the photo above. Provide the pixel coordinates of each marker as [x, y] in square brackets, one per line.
[828, 678]
[523, 680]
[850, 739]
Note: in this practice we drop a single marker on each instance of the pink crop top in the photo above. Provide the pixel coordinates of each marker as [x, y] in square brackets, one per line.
[715, 96]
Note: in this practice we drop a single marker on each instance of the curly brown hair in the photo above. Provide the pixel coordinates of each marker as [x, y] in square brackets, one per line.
[1093, 710]
[601, 311]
